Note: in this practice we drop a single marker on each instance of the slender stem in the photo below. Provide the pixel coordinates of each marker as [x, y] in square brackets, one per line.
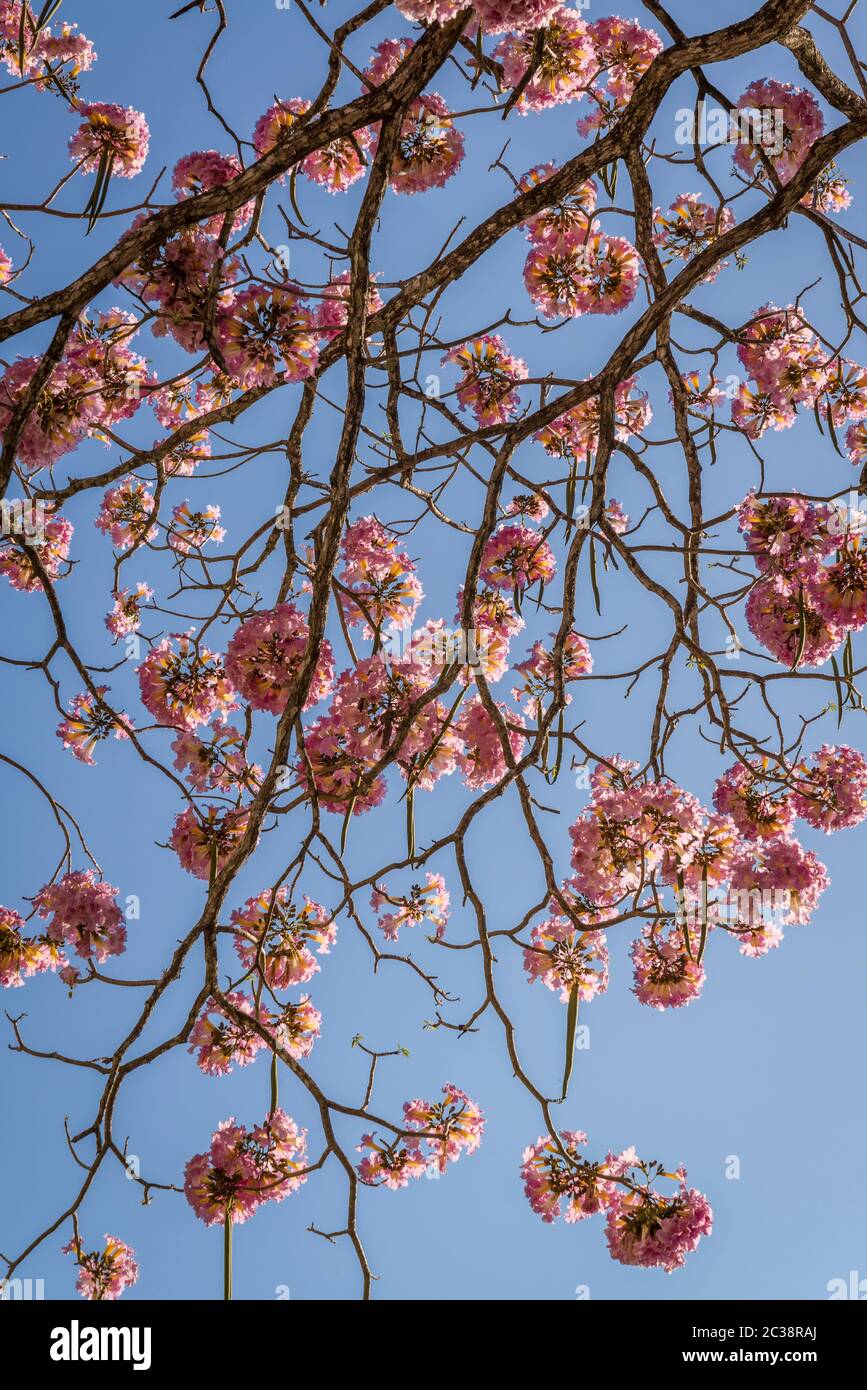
[275, 1084]
[227, 1257]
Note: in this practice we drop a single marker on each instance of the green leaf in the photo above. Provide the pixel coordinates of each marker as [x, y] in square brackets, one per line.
[593, 578]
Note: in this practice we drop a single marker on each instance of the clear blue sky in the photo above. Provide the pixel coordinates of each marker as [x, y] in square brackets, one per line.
[763, 1067]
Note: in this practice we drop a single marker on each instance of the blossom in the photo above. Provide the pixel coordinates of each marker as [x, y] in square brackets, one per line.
[176, 277]
[575, 433]
[624, 52]
[490, 375]
[22, 956]
[667, 976]
[223, 1041]
[429, 903]
[591, 274]
[125, 616]
[746, 793]
[390, 1165]
[127, 514]
[264, 329]
[184, 688]
[648, 1229]
[83, 914]
[48, 539]
[541, 666]
[191, 530]
[296, 1028]
[568, 58]
[452, 1126]
[109, 132]
[496, 16]
[802, 125]
[565, 958]
[378, 583]
[220, 763]
[516, 557]
[688, 227]
[205, 169]
[340, 163]
[840, 590]
[103, 1275]
[243, 1169]
[429, 11]
[88, 720]
[41, 47]
[67, 407]
[788, 536]
[276, 123]
[554, 1174]
[831, 791]
[482, 759]
[780, 619]
[793, 877]
[204, 839]
[564, 221]
[332, 312]
[266, 653]
[275, 937]
[5, 267]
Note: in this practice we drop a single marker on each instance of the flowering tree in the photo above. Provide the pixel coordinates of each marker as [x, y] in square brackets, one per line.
[290, 688]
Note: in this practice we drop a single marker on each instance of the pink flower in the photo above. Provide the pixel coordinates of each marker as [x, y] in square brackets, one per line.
[802, 125]
[332, 312]
[451, 1126]
[688, 227]
[430, 903]
[840, 591]
[390, 1165]
[265, 330]
[127, 515]
[275, 124]
[575, 434]
[429, 11]
[565, 221]
[496, 16]
[67, 409]
[340, 163]
[760, 810]
[184, 688]
[103, 1275]
[84, 914]
[191, 530]
[5, 268]
[490, 374]
[204, 839]
[48, 539]
[792, 877]
[21, 956]
[779, 618]
[176, 277]
[565, 958]
[482, 760]
[244, 1169]
[381, 580]
[540, 671]
[788, 536]
[593, 274]
[517, 557]
[667, 976]
[273, 936]
[205, 169]
[116, 133]
[266, 653]
[220, 763]
[224, 1042]
[552, 1179]
[125, 616]
[568, 58]
[645, 1228]
[87, 721]
[624, 52]
[831, 792]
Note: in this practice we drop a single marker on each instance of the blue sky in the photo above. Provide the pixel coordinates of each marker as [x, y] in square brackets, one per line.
[762, 1068]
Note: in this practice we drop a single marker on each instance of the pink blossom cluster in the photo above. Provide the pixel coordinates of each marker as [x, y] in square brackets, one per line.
[47, 539]
[770, 104]
[82, 912]
[65, 51]
[219, 763]
[575, 433]
[277, 939]
[187, 687]
[266, 654]
[22, 956]
[205, 837]
[488, 386]
[445, 1129]
[378, 585]
[243, 1169]
[688, 227]
[103, 1275]
[429, 902]
[88, 720]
